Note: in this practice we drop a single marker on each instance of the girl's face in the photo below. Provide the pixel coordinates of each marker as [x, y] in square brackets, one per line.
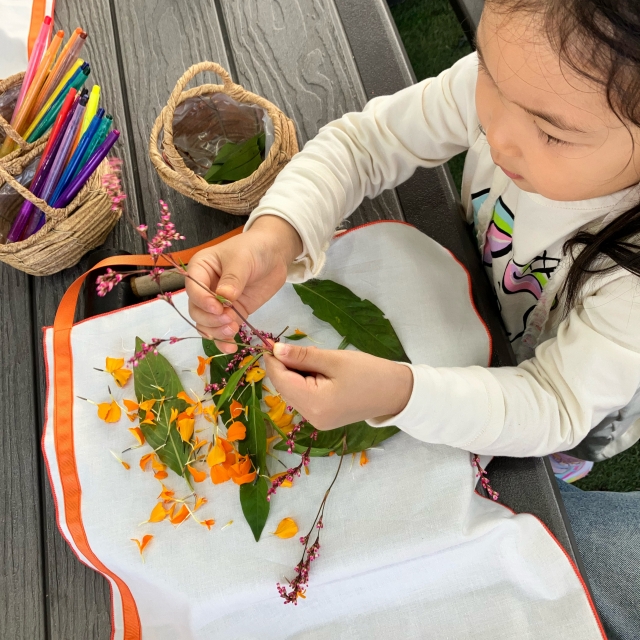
[550, 130]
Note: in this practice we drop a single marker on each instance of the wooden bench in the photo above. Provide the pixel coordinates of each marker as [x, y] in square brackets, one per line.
[316, 59]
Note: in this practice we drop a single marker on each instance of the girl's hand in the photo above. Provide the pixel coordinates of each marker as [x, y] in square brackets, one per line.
[343, 386]
[247, 270]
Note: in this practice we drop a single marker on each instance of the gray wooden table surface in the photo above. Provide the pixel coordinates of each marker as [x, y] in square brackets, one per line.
[315, 59]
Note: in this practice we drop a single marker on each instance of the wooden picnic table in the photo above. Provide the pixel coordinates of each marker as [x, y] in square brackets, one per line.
[315, 59]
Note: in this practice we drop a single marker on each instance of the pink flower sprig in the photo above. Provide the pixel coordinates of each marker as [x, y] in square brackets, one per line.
[107, 282]
[296, 588]
[291, 473]
[165, 235]
[112, 185]
[484, 480]
[157, 247]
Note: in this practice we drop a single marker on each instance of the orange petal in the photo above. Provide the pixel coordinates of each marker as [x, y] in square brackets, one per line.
[236, 409]
[286, 529]
[210, 413]
[132, 416]
[217, 454]
[166, 494]
[137, 434]
[185, 428]
[299, 333]
[230, 459]
[285, 483]
[237, 431]
[199, 443]
[306, 470]
[219, 474]
[130, 405]
[249, 477]
[198, 476]
[181, 516]
[174, 415]
[202, 364]
[121, 376]
[158, 513]
[208, 523]
[278, 411]
[363, 458]
[161, 475]
[149, 418]
[272, 401]
[199, 502]
[145, 460]
[109, 411]
[183, 396]
[244, 361]
[143, 543]
[255, 374]
[147, 405]
[284, 421]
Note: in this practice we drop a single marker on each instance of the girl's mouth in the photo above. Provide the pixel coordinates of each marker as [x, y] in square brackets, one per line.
[513, 176]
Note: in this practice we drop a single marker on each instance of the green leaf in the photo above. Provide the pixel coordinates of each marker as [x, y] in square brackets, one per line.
[155, 378]
[233, 381]
[296, 336]
[360, 436]
[255, 506]
[220, 362]
[236, 161]
[359, 321]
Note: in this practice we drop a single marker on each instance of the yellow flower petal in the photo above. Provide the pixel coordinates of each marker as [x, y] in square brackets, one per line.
[109, 411]
[158, 513]
[217, 455]
[363, 458]
[286, 529]
[147, 405]
[255, 374]
[137, 434]
[185, 428]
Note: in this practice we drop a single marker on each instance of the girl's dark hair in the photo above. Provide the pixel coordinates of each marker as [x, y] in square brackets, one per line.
[599, 40]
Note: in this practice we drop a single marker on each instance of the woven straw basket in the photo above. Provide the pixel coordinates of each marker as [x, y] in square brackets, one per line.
[23, 146]
[238, 197]
[64, 238]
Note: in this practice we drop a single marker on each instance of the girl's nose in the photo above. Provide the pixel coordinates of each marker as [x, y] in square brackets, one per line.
[501, 133]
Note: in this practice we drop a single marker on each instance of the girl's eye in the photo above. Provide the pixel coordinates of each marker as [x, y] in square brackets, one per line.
[551, 139]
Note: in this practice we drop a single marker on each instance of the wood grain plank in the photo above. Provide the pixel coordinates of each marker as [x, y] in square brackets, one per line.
[79, 600]
[160, 40]
[296, 54]
[22, 595]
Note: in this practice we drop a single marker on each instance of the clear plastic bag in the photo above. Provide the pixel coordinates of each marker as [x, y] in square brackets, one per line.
[203, 124]
[8, 101]
[11, 200]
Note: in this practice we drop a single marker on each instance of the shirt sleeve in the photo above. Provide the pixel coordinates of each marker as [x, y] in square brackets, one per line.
[548, 403]
[362, 154]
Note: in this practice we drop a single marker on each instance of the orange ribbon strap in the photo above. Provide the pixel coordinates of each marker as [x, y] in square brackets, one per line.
[63, 422]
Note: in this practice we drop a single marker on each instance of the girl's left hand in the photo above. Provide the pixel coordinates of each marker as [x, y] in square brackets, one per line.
[342, 386]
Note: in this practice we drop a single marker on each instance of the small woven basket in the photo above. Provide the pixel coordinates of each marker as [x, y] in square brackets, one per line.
[68, 233]
[23, 147]
[239, 197]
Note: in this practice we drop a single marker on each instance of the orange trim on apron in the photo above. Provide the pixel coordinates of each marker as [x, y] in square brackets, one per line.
[63, 399]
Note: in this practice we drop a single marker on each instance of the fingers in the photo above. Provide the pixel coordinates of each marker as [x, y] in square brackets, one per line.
[289, 384]
[202, 271]
[303, 358]
[234, 278]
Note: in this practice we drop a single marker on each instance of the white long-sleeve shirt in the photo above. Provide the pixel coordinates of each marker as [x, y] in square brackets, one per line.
[586, 368]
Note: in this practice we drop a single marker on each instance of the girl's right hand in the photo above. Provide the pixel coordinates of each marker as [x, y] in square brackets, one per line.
[247, 270]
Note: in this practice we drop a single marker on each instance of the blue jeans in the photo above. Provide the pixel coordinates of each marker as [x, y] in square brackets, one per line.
[606, 526]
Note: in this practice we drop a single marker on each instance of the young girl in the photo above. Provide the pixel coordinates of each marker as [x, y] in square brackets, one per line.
[549, 111]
